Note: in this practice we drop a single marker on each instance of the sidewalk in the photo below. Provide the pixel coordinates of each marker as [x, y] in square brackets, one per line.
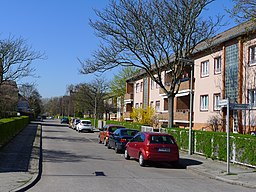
[20, 164]
[214, 169]
[20, 160]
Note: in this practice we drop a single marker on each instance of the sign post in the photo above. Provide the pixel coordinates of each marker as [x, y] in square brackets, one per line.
[228, 136]
[225, 102]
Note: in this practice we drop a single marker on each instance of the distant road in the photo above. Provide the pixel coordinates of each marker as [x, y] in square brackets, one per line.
[75, 161]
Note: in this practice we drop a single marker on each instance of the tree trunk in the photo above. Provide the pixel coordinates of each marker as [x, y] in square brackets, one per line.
[170, 110]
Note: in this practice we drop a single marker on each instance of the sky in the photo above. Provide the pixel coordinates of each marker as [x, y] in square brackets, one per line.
[60, 29]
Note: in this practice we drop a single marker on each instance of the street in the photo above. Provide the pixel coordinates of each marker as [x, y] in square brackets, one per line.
[75, 161]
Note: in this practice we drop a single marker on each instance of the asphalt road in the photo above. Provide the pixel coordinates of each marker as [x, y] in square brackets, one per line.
[75, 161]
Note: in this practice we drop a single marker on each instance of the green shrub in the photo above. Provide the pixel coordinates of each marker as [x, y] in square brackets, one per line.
[10, 127]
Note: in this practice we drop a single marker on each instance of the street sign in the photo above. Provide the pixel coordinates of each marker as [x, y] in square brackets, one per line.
[240, 106]
[223, 102]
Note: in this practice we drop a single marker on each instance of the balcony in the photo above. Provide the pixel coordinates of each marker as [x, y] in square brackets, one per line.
[128, 96]
[181, 115]
[127, 116]
[184, 85]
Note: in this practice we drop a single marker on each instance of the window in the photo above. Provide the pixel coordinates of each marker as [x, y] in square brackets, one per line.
[137, 105]
[216, 102]
[217, 65]
[141, 86]
[140, 105]
[152, 104]
[166, 104]
[252, 54]
[137, 87]
[205, 68]
[204, 102]
[157, 106]
[152, 84]
[138, 138]
[252, 97]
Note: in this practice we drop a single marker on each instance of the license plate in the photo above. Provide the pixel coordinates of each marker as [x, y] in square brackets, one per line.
[164, 150]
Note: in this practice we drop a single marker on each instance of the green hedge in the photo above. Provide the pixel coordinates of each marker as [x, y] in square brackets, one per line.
[214, 145]
[211, 144]
[130, 125]
[10, 127]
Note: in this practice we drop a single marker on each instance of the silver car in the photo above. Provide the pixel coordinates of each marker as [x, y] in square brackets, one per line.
[75, 123]
[85, 125]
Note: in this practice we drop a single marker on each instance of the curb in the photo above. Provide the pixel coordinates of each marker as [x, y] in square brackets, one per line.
[219, 178]
[37, 164]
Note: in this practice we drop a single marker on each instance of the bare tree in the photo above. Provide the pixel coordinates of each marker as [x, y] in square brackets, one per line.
[91, 95]
[8, 98]
[243, 10]
[16, 59]
[31, 94]
[151, 35]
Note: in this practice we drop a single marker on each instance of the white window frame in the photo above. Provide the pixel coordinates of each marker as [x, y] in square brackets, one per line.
[137, 87]
[252, 55]
[216, 99]
[152, 85]
[252, 97]
[204, 102]
[157, 106]
[205, 68]
[217, 65]
[141, 86]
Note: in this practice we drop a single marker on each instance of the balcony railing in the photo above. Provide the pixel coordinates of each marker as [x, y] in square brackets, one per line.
[181, 115]
[184, 85]
[127, 115]
[128, 96]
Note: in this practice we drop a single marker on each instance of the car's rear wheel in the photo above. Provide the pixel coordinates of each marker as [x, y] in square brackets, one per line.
[116, 149]
[109, 147]
[126, 154]
[141, 160]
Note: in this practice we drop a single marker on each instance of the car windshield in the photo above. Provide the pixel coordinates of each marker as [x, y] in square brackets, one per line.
[77, 121]
[112, 129]
[161, 139]
[86, 122]
[128, 132]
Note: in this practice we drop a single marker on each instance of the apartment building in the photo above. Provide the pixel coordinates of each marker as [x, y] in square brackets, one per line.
[224, 67]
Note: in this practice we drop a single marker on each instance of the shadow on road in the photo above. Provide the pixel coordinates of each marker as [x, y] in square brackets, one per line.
[59, 156]
[184, 162]
[15, 156]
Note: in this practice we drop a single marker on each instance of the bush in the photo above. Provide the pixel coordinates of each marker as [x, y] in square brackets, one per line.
[214, 145]
[10, 127]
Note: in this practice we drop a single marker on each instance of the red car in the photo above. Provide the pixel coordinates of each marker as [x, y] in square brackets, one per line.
[150, 146]
[106, 131]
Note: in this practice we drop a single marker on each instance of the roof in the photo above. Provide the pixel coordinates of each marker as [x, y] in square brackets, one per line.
[237, 31]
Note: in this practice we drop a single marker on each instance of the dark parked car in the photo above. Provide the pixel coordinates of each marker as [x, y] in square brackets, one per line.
[64, 120]
[106, 131]
[120, 137]
[155, 147]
